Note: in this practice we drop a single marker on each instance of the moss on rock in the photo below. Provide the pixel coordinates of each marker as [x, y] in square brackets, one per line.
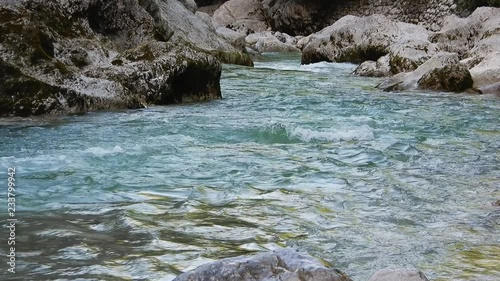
[450, 78]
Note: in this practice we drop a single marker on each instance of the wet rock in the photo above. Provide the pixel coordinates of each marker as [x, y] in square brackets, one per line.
[409, 80]
[279, 265]
[270, 41]
[59, 56]
[450, 78]
[244, 16]
[477, 41]
[398, 275]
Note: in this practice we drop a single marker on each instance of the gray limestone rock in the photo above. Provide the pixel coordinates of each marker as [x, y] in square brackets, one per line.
[86, 55]
[279, 265]
[398, 275]
[244, 16]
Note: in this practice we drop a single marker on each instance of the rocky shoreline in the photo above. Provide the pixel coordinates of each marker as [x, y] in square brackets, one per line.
[74, 56]
[452, 54]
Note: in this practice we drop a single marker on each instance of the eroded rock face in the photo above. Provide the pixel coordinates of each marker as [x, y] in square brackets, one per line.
[298, 17]
[280, 265]
[270, 41]
[475, 35]
[450, 78]
[379, 68]
[244, 16]
[476, 39]
[398, 275]
[409, 80]
[354, 39]
[73, 56]
[487, 72]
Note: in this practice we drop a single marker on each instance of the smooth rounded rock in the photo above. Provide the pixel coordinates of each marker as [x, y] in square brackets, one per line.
[279, 265]
[450, 78]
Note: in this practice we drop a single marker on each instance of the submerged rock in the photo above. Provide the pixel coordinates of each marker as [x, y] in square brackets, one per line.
[279, 265]
[59, 56]
[398, 275]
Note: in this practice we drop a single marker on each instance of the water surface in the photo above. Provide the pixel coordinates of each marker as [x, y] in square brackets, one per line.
[299, 156]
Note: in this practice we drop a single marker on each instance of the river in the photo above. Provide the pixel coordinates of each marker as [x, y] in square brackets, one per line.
[309, 157]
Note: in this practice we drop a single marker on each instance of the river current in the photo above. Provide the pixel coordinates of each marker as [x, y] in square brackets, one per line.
[309, 157]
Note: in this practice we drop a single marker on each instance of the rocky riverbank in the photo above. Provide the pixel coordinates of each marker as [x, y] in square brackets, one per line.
[418, 44]
[81, 55]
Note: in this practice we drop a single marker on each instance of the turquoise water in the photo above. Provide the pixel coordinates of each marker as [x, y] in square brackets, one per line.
[301, 156]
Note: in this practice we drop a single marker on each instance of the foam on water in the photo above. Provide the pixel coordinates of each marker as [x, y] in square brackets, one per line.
[320, 67]
[100, 151]
[278, 132]
[294, 156]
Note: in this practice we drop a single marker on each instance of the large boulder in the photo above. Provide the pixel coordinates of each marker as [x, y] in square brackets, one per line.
[73, 56]
[408, 54]
[279, 265]
[270, 41]
[492, 89]
[190, 5]
[476, 35]
[477, 41]
[450, 78]
[409, 80]
[354, 39]
[235, 38]
[245, 16]
[298, 17]
[187, 26]
[398, 275]
[206, 18]
[487, 72]
[379, 68]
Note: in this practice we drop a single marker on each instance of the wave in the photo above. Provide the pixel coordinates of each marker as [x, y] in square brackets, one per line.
[281, 133]
[320, 67]
[99, 151]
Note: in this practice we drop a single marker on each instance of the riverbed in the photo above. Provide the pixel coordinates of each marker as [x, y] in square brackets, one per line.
[309, 157]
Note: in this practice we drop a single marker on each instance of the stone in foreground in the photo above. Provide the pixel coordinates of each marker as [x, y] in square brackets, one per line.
[62, 57]
[398, 275]
[279, 265]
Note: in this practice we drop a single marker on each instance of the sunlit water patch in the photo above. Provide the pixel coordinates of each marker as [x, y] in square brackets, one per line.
[294, 156]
